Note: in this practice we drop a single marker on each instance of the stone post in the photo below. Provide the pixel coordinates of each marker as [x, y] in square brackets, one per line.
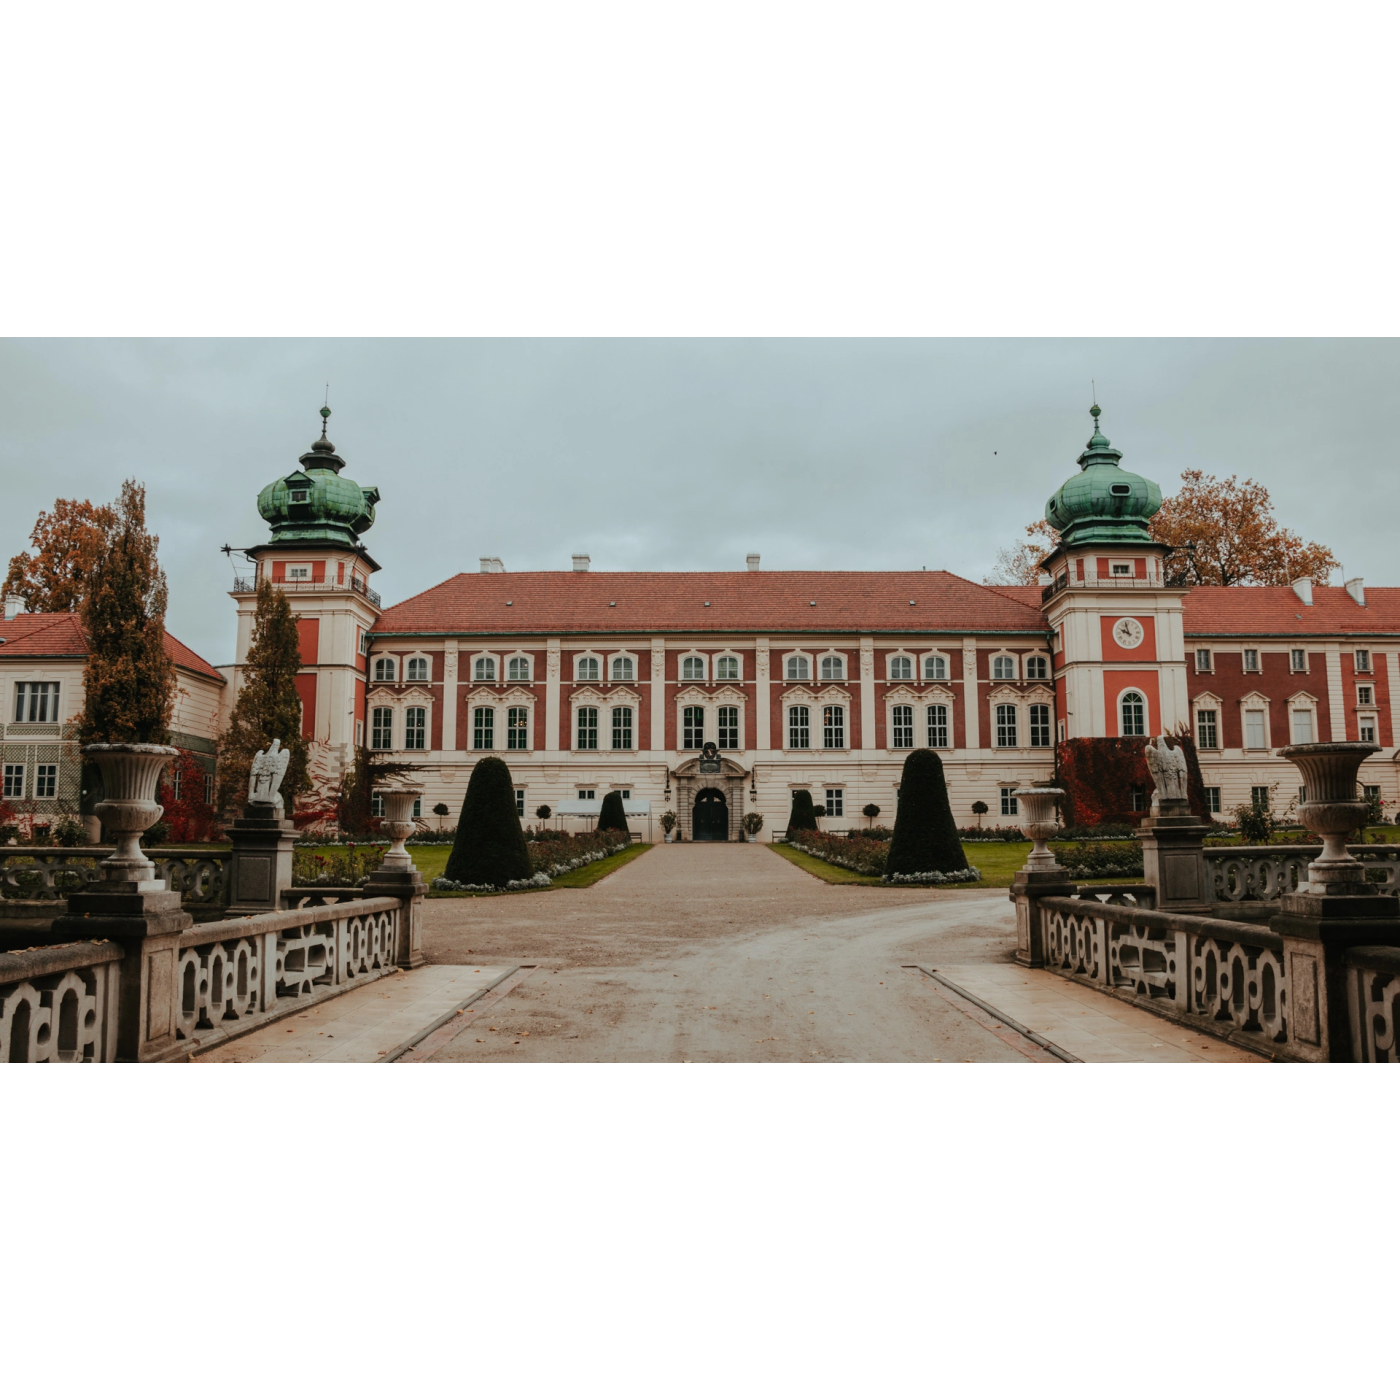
[1173, 857]
[398, 878]
[130, 906]
[1042, 875]
[1336, 910]
[260, 864]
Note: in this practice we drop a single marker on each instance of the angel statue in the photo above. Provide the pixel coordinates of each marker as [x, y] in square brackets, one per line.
[265, 775]
[1168, 768]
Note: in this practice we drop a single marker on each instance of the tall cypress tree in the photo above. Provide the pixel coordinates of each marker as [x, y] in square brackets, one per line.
[268, 706]
[925, 835]
[128, 678]
[490, 846]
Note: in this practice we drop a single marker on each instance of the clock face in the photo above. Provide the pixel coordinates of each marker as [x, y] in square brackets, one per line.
[1128, 633]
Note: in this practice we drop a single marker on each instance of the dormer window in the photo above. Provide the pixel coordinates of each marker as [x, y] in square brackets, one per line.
[300, 495]
[1120, 488]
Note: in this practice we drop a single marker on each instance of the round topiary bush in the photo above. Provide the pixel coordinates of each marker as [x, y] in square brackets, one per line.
[612, 817]
[925, 836]
[490, 846]
[804, 814]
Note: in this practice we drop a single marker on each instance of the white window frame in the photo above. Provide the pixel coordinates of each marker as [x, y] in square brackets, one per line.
[1038, 656]
[1295, 713]
[597, 659]
[1258, 668]
[1366, 695]
[613, 712]
[474, 728]
[15, 779]
[1146, 712]
[1250, 702]
[788, 712]
[529, 731]
[299, 573]
[792, 656]
[894, 726]
[427, 727]
[903, 656]
[1207, 701]
[931, 660]
[1212, 799]
[579, 747]
[628, 658]
[842, 725]
[1363, 667]
[997, 724]
[826, 658]
[1010, 806]
[1368, 719]
[839, 802]
[947, 724]
[389, 664]
[738, 727]
[1293, 654]
[1209, 667]
[480, 658]
[412, 660]
[738, 661]
[516, 659]
[26, 694]
[1002, 656]
[50, 771]
[375, 710]
[1049, 724]
[697, 659]
[682, 725]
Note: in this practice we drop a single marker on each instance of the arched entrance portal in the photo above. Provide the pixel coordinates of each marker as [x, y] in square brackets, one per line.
[710, 821]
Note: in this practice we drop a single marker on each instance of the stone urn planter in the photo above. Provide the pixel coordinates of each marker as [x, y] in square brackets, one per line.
[130, 777]
[1332, 810]
[1040, 825]
[398, 825]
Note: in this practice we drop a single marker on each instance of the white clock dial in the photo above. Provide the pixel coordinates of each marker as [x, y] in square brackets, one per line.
[1128, 633]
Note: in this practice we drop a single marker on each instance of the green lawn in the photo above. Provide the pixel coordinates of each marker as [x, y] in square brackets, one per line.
[579, 879]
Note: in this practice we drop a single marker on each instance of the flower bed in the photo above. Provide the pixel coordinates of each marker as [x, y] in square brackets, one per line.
[352, 866]
[1088, 860]
[556, 854]
[867, 857]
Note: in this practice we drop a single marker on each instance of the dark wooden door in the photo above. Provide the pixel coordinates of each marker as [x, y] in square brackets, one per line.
[711, 820]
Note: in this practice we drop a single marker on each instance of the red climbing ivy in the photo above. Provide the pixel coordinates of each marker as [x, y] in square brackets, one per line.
[1098, 776]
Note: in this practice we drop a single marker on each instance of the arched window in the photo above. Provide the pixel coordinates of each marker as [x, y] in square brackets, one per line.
[519, 668]
[693, 668]
[622, 671]
[587, 668]
[935, 668]
[1134, 713]
[727, 668]
[798, 670]
[418, 668]
[901, 669]
[834, 669]
[1003, 668]
[1037, 668]
[384, 669]
[485, 668]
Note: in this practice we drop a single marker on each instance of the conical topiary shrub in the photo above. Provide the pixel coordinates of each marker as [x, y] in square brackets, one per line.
[490, 846]
[612, 817]
[925, 835]
[804, 814]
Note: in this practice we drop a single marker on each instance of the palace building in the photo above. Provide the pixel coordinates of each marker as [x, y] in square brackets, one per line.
[587, 681]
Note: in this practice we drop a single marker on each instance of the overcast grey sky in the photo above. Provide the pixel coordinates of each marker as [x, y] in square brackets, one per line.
[683, 454]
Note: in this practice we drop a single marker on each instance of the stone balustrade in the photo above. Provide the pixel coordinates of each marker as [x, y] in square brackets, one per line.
[1373, 1003]
[1238, 874]
[54, 872]
[59, 1005]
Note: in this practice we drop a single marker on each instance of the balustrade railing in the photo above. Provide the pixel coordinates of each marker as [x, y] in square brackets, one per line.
[1373, 1003]
[1229, 978]
[60, 1004]
[54, 872]
[1238, 873]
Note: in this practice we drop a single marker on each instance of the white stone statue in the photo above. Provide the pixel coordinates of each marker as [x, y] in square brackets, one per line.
[266, 773]
[1168, 768]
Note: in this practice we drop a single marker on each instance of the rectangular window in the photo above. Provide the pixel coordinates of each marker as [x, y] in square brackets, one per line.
[1259, 798]
[833, 727]
[935, 668]
[415, 727]
[208, 788]
[902, 727]
[1363, 660]
[834, 802]
[1366, 729]
[484, 728]
[1212, 799]
[692, 727]
[1251, 659]
[587, 727]
[1139, 797]
[1064, 729]
[1202, 659]
[298, 572]
[1370, 793]
[1207, 729]
[1122, 570]
[799, 727]
[36, 702]
[1302, 727]
[1363, 695]
[1009, 806]
[938, 727]
[728, 726]
[1254, 729]
[417, 808]
[1006, 726]
[520, 802]
[1040, 726]
[622, 727]
[518, 727]
[1298, 659]
[175, 783]
[14, 780]
[382, 728]
[586, 794]
[359, 732]
[376, 804]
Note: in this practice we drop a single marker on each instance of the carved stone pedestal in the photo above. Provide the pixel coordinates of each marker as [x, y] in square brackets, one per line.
[1027, 889]
[260, 865]
[409, 887]
[1173, 860]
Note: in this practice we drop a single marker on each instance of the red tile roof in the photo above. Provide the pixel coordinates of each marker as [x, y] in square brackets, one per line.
[1274, 612]
[61, 634]
[564, 602]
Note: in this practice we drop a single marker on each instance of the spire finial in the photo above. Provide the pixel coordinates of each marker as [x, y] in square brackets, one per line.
[1095, 409]
[326, 411]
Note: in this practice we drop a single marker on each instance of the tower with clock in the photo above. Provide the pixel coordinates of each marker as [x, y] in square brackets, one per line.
[1115, 614]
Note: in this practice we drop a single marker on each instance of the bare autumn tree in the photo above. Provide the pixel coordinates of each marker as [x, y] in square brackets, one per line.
[68, 541]
[1230, 523]
[1237, 540]
[128, 679]
[268, 706]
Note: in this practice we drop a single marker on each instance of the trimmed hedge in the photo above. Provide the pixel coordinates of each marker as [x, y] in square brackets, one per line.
[490, 847]
[925, 835]
[613, 817]
[804, 815]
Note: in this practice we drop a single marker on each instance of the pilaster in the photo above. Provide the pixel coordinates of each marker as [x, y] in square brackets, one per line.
[449, 695]
[867, 692]
[551, 696]
[971, 727]
[658, 695]
[1336, 698]
[762, 734]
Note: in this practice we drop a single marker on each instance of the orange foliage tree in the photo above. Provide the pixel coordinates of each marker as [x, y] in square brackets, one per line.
[187, 815]
[68, 542]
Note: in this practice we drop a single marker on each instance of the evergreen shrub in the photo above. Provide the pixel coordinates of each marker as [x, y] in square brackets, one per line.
[925, 835]
[490, 846]
[804, 815]
[613, 817]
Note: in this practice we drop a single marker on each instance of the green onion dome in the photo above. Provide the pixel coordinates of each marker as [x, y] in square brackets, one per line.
[1103, 504]
[316, 502]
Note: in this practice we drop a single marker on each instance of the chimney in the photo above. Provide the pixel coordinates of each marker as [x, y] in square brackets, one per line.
[492, 565]
[1357, 588]
[580, 563]
[753, 563]
[1303, 588]
[13, 604]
